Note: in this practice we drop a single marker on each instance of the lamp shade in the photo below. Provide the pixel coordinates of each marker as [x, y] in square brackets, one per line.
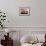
[7, 30]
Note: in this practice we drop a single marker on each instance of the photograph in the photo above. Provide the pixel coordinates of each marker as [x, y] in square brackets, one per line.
[24, 11]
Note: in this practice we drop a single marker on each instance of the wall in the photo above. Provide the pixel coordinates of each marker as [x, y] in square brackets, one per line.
[37, 19]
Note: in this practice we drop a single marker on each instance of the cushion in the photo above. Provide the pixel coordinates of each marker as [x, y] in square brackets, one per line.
[26, 39]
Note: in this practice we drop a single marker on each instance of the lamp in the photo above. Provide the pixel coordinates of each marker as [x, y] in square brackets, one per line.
[7, 31]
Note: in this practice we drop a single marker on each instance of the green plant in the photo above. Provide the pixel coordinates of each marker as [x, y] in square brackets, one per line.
[2, 19]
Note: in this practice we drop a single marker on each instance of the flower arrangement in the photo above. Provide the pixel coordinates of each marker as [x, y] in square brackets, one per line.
[2, 19]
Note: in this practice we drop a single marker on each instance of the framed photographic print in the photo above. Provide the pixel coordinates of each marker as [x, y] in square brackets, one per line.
[24, 11]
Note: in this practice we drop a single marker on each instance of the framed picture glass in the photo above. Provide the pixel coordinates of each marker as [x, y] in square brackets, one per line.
[24, 11]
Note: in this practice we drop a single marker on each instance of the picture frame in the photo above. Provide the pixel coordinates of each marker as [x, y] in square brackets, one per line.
[24, 11]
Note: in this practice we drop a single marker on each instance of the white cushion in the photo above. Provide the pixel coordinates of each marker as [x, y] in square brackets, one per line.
[27, 38]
